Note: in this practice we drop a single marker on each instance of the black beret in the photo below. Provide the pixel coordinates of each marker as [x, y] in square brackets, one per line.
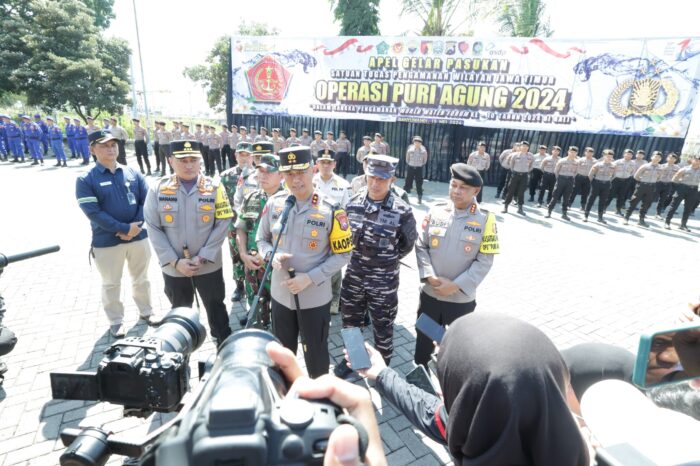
[466, 173]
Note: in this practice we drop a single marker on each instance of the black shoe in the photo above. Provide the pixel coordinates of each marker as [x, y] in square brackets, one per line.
[238, 294]
[367, 321]
[642, 223]
[532, 199]
[684, 227]
[505, 210]
[58, 164]
[14, 160]
[539, 204]
[85, 163]
[420, 199]
[619, 213]
[549, 214]
[667, 225]
[565, 217]
[243, 320]
[626, 222]
[35, 163]
[149, 172]
[521, 211]
[602, 220]
[585, 219]
[64, 164]
[143, 172]
[342, 370]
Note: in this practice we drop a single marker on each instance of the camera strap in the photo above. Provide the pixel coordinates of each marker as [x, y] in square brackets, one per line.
[362, 434]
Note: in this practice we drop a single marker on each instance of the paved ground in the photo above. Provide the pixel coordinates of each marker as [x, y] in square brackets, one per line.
[578, 282]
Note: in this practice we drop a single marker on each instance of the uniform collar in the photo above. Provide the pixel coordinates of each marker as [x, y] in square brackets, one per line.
[473, 209]
[101, 168]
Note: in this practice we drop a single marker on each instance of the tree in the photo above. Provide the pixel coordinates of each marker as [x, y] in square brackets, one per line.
[357, 17]
[213, 75]
[523, 18]
[14, 17]
[443, 17]
[102, 12]
[71, 65]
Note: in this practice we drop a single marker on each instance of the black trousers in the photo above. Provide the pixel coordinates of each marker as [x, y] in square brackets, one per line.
[547, 184]
[503, 182]
[481, 191]
[582, 186]
[214, 161]
[442, 312]
[342, 163]
[205, 158]
[414, 173]
[535, 178]
[618, 191]
[142, 154]
[562, 190]
[689, 195]
[156, 151]
[644, 193]
[232, 158]
[163, 154]
[516, 188]
[312, 325]
[211, 291]
[121, 156]
[599, 189]
[664, 191]
[225, 154]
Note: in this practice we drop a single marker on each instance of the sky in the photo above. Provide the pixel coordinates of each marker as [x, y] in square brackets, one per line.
[176, 33]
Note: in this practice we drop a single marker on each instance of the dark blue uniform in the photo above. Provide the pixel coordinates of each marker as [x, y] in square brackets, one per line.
[70, 136]
[14, 139]
[3, 141]
[383, 232]
[44, 137]
[81, 143]
[56, 138]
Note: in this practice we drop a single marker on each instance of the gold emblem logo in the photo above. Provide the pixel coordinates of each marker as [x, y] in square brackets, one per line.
[258, 147]
[188, 145]
[652, 97]
[291, 157]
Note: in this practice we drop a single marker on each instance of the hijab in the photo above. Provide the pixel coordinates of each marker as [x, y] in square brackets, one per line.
[504, 386]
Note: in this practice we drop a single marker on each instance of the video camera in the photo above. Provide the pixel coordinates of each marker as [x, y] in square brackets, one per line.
[144, 374]
[238, 415]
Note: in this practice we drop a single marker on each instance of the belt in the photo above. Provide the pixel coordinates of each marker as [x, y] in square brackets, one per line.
[602, 181]
[651, 183]
[566, 176]
[56, 139]
[514, 173]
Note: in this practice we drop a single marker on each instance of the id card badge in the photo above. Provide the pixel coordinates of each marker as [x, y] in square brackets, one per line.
[129, 195]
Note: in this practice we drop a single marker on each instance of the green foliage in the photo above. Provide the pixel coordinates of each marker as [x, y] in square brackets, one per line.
[63, 62]
[101, 11]
[523, 18]
[213, 75]
[14, 15]
[357, 17]
[444, 17]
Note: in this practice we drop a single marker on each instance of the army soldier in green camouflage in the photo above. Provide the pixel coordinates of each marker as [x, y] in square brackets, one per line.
[270, 182]
[230, 179]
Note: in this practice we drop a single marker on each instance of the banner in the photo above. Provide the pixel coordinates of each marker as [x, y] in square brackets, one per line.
[640, 87]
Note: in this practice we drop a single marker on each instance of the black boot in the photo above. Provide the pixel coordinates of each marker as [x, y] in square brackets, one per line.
[521, 211]
[549, 213]
[239, 293]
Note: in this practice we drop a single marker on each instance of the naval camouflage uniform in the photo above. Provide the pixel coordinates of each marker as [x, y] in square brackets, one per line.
[383, 233]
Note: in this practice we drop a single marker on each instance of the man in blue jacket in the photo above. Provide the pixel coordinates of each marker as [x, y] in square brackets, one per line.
[112, 197]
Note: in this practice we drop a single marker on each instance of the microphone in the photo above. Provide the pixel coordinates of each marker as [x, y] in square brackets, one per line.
[288, 204]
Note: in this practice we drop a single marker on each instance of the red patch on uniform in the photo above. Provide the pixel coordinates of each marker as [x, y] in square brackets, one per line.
[314, 199]
[467, 248]
[265, 209]
[342, 219]
[313, 244]
[472, 210]
[241, 180]
[426, 220]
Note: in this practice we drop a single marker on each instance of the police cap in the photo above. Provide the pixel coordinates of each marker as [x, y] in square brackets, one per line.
[136, 120]
[242, 128]
[325, 154]
[629, 151]
[466, 173]
[318, 132]
[292, 130]
[524, 143]
[305, 130]
[100, 137]
[295, 158]
[263, 147]
[641, 152]
[186, 148]
[366, 138]
[381, 166]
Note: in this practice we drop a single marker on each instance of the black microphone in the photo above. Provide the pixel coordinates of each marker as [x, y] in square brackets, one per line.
[288, 204]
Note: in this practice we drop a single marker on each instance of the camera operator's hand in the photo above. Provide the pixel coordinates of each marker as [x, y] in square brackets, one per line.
[251, 262]
[279, 261]
[187, 267]
[375, 358]
[298, 284]
[343, 444]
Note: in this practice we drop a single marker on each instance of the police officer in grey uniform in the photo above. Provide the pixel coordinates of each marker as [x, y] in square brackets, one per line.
[504, 180]
[687, 179]
[454, 251]
[293, 140]
[164, 139]
[548, 165]
[342, 154]
[378, 146]
[481, 160]
[316, 243]
[384, 231]
[318, 144]
[278, 142]
[622, 181]
[664, 187]
[141, 145]
[188, 215]
[582, 184]
[363, 152]
[601, 176]
[564, 171]
[416, 158]
[520, 164]
[647, 175]
[305, 138]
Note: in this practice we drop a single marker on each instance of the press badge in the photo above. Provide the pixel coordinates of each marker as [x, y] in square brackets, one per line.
[129, 195]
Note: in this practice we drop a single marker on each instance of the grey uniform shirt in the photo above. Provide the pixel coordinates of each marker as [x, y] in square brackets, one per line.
[177, 218]
[539, 158]
[416, 157]
[584, 166]
[140, 134]
[667, 172]
[566, 167]
[293, 140]
[648, 173]
[343, 145]
[449, 246]
[503, 158]
[688, 176]
[186, 135]
[337, 188]
[247, 183]
[623, 168]
[361, 152]
[331, 145]
[378, 148]
[317, 146]
[520, 162]
[261, 138]
[233, 139]
[199, 136]
[164, 137]
[278, 143]
[224, 135]
[602, 171]
[306, 140]
[480, 162]
[214, 141]
[119, 132]
[307, 238]
[549, 164]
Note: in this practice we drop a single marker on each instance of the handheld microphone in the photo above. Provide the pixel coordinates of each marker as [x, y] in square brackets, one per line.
[288, 204]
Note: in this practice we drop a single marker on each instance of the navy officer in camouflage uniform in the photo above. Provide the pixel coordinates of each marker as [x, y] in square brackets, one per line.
[384, 231]
[455, 250]
[316, 243]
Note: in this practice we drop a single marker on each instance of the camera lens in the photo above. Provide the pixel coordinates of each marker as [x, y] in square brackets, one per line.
[180, 331]
[90, 448]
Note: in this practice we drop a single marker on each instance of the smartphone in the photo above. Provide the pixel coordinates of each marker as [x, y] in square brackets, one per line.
[355, 344]
[420, 378]
[430, 328]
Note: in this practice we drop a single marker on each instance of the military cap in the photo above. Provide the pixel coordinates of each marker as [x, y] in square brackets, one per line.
[234, 126]
[136, 120]
[100, 137]
[36, 115]
[185, 125]
[608, 152]
[557, 148]
[186, 148]
[318, 132]
[377, 134]
[263, 148]
[269, 162]
[629, 151]
[524, 143]
[343, 132]
[542, 146]
[243, 128]
[326, 154]
[244, 147]
[573, 148]
[367, 138]
[275, 130]
[330, 132]
[482, 143]
[640, 151]
[25, 117]
[292, 130]
[466, 173]
[305, 130]
[295, 158]
[381, 166]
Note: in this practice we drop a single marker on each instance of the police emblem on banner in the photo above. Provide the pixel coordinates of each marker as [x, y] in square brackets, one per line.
[268, 80]
[644, 97]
